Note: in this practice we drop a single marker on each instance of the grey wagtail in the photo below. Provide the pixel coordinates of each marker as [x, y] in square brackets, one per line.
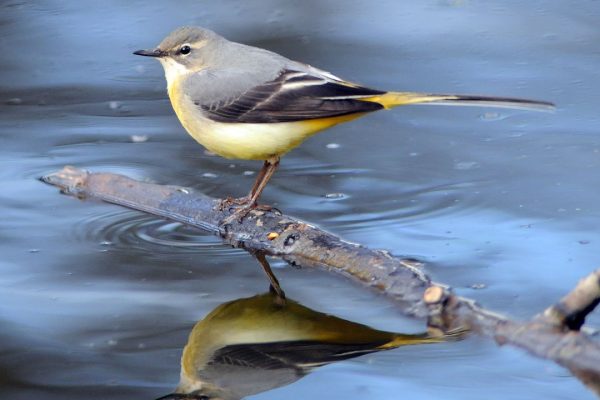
[252, 345]
[249, 103]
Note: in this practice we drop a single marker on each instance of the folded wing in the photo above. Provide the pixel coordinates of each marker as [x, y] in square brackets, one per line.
[294, 96]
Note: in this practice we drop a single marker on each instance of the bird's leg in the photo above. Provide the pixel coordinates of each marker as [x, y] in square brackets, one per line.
[244, 201]
[249, 202]
[274, 287]
[259, 178]
[265, 174]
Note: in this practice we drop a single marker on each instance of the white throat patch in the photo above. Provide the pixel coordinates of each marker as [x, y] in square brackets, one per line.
[173, 70]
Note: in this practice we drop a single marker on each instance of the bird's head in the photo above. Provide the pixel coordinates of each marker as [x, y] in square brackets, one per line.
[183, 51]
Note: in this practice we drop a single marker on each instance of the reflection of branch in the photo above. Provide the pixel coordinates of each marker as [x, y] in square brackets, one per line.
[553, 334]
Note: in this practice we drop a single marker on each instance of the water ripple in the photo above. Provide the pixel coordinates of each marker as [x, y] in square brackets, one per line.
[131, 230]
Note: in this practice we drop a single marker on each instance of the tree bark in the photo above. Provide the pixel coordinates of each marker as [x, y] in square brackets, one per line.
[554, 334]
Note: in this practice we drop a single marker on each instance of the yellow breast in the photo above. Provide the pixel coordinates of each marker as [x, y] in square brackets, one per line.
[248, 141]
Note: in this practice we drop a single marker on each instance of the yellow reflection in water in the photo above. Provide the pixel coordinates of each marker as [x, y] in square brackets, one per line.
[252, 345]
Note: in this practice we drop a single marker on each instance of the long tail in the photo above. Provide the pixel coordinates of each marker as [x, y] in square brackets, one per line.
[394, 99]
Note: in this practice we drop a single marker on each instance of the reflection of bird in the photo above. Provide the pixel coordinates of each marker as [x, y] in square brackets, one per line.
[249, 103]
[252, 345]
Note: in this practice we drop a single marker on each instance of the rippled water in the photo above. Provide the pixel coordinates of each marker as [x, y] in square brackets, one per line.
[97, 301]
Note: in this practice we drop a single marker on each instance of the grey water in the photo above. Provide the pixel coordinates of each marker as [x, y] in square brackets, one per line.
[97, 302]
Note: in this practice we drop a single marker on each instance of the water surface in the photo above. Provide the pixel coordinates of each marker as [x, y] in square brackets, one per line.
[97, 301]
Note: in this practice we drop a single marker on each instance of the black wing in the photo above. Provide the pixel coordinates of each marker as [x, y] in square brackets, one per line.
[294, 96]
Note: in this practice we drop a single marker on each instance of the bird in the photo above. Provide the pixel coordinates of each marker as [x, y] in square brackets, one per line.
[249, 103]
[255, 344]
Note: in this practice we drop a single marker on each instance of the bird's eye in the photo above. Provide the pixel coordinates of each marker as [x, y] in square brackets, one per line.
[185, 49]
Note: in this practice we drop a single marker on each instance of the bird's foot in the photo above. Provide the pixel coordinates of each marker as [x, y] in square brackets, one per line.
[243, 206]
[232, 201]
[239, 214]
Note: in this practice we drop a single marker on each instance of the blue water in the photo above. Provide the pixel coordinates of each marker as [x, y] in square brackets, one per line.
[97, 301]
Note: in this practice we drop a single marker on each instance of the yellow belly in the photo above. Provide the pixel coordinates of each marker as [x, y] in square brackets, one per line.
[244, 140]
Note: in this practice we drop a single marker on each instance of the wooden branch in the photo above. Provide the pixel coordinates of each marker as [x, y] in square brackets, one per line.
[554, 334]
[547, 335]
[277, 235]
[571, 310]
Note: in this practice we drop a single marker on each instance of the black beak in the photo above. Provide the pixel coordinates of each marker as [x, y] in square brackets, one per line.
[151, 53]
